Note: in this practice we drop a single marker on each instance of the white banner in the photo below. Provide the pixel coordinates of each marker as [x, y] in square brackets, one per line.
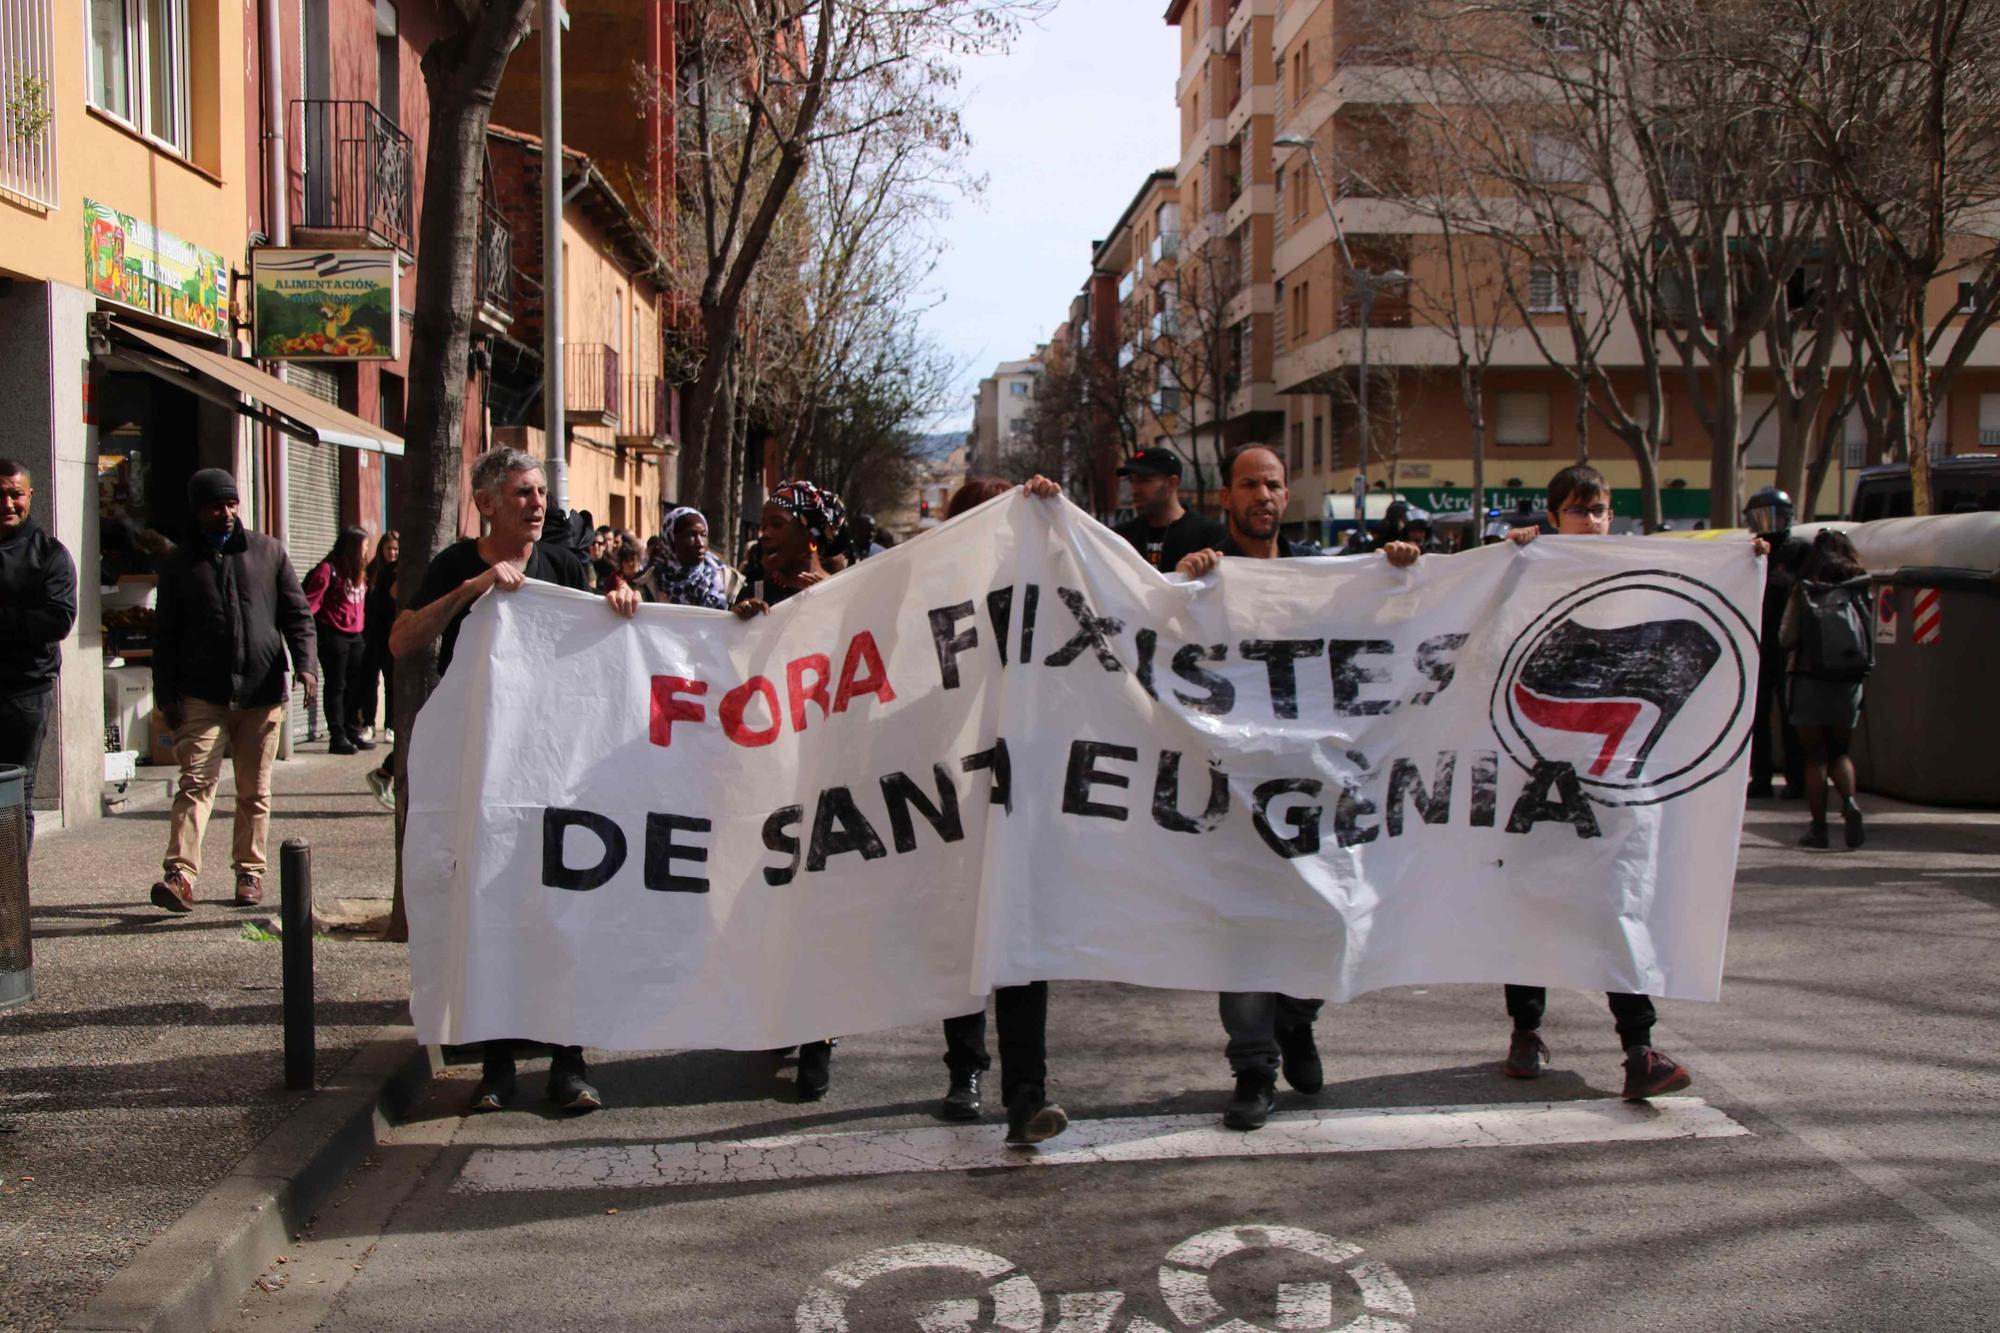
[1009, 750]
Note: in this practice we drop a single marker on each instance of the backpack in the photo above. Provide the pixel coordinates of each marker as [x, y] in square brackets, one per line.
[1837, 630]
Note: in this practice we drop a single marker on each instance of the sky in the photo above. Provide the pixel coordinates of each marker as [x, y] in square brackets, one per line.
[1065, 127]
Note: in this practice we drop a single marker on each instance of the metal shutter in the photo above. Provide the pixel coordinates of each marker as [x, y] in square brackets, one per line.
[312, 511]
[1520, 418]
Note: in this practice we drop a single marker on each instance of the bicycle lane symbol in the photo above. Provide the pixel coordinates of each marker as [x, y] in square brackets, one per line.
[1017, 1304]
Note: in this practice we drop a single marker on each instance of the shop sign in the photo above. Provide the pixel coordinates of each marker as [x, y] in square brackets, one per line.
[136, 264]
[1677, 503]
[324, 305]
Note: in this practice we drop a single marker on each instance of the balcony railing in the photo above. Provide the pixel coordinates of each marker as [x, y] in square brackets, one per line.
[496, 260]
[590, 384]
[28, 116]
[643, 415]
[358, 171]
[1166, 245]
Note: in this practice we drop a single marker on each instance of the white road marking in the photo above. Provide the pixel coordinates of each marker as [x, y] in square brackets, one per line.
[1087, 1311]
[1305, 1305]
[1088, 1143]
[1017, 1301]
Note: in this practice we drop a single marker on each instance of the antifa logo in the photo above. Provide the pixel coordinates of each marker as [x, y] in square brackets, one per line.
[1600, 681]
[1640, 682]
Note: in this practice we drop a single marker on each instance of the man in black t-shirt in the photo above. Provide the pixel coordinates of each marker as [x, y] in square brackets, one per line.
[1164, 531]
[510, 492]
[1268, 1031]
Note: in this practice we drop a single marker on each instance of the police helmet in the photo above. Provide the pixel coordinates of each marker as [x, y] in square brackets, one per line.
[1768, 511]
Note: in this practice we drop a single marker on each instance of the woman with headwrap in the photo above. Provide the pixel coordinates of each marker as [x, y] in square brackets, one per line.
[796, 538]
[799, 522]
[688, 574]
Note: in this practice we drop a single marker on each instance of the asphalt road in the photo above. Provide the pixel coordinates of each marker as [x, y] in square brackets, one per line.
[1840, 1170]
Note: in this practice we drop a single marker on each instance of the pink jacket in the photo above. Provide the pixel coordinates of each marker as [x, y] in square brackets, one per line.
[336, 603]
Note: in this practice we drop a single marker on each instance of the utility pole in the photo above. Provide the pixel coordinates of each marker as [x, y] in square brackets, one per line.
[553, 401]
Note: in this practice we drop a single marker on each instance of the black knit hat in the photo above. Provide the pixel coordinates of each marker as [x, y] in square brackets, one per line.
[208, 486]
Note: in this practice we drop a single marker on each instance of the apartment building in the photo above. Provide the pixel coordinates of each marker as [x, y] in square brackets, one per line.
[1135, 402]
[1286, 293]
[1003, 410]
[618, 411]
[1226, 94]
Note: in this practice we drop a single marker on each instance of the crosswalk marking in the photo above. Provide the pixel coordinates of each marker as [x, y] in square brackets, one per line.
[1089, 1142]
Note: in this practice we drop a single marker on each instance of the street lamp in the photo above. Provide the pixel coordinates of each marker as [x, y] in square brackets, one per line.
[1368, 282]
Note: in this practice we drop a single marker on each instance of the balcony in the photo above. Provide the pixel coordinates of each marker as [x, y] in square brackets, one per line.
[645, 419]
[1166, 245]
[1392, 311]
[358, 170]
[28, 120]
[591, 386]
[496, 264]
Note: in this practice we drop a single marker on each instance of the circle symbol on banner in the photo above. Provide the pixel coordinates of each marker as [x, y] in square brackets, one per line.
[1015, 1299]
[1639, 681]
[1184, 1282]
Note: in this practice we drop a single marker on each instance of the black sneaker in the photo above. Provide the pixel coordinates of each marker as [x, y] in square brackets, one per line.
[569, 1084]
[340, 745]
[1527, 1055]
[961, 1102]
[1850, 817]
[496, 1086]
[1653, 1074]
[1815, 836]
[1299, 1058]
[815, 1070]
[1032, 1117]
[1256, 1095]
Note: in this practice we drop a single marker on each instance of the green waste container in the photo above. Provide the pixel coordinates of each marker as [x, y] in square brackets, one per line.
[17, 955]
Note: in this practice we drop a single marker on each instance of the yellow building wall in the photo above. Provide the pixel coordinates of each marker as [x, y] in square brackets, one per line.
[599, 297]
[202, 200]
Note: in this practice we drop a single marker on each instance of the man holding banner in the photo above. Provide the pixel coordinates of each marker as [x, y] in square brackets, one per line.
[510, 492]
[1267, 1030]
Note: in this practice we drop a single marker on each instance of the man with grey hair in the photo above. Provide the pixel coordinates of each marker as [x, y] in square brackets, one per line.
[511, 494]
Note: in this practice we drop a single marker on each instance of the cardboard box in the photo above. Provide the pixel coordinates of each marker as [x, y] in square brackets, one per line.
[128, 705]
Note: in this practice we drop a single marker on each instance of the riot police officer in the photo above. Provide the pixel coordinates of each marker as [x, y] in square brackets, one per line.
[1774, 745]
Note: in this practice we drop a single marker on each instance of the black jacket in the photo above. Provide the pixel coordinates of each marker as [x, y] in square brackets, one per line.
[225, 620]
[37, 609]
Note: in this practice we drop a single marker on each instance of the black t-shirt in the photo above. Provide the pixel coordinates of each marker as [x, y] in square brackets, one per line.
[1287, 548]
[1164, 547]
[763, 590]
[461, 561]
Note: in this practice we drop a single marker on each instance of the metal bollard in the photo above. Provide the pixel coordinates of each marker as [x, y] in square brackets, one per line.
[295, 914]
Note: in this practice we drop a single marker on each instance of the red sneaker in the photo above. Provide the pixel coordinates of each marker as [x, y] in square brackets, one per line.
[1654, 1075]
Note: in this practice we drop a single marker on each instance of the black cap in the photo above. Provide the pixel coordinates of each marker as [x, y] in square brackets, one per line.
[1152, 463]
[210, 485]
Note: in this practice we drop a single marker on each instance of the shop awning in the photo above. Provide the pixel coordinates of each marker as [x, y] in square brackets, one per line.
[222, 378]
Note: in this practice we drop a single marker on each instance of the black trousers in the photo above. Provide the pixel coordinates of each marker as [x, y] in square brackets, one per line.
[1633, 1014]
[1774, 741]
[372, 668]
[24, 719]
[339, 663]
[1022, 1014]
[1254, 1020]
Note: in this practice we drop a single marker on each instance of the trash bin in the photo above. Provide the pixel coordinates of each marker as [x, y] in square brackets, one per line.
[17, 958]
[1930, 711]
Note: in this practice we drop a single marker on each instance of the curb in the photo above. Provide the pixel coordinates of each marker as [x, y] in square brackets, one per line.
[188, 1277]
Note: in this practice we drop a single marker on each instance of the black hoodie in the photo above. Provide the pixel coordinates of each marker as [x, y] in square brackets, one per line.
[37, 609]
[225, 621]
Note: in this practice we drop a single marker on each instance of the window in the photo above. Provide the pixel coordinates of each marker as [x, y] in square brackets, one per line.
[388, 64]
[1551, 290]
[1521, 418]
[1298, 193]
[1560, 159]
[1559, 31]
[1019, 388]
[1319, 443]
[1301, 314]
[139, 66]
[1989, 420]
[1298, 463]
[1968, 297]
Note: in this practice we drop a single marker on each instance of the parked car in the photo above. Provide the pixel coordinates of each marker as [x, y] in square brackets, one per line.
[1967, 484]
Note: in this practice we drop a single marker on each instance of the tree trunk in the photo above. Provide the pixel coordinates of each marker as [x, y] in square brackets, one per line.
[1725, 470]
[1918, 433]
[462, 73]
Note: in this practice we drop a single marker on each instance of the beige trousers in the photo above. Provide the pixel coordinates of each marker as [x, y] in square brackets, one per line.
[252, 737]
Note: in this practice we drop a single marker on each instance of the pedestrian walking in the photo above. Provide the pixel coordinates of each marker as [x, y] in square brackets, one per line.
[1774, 742]
[337, 593]
[1268, 1031]
[230, 614]
[378, 664]
[37, 612]
[1828, 633]
[1021, 1013]
[511, 493]
[1163, 529]
[1580, 506]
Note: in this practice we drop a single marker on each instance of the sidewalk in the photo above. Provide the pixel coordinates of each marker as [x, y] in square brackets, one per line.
[149, 1063]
